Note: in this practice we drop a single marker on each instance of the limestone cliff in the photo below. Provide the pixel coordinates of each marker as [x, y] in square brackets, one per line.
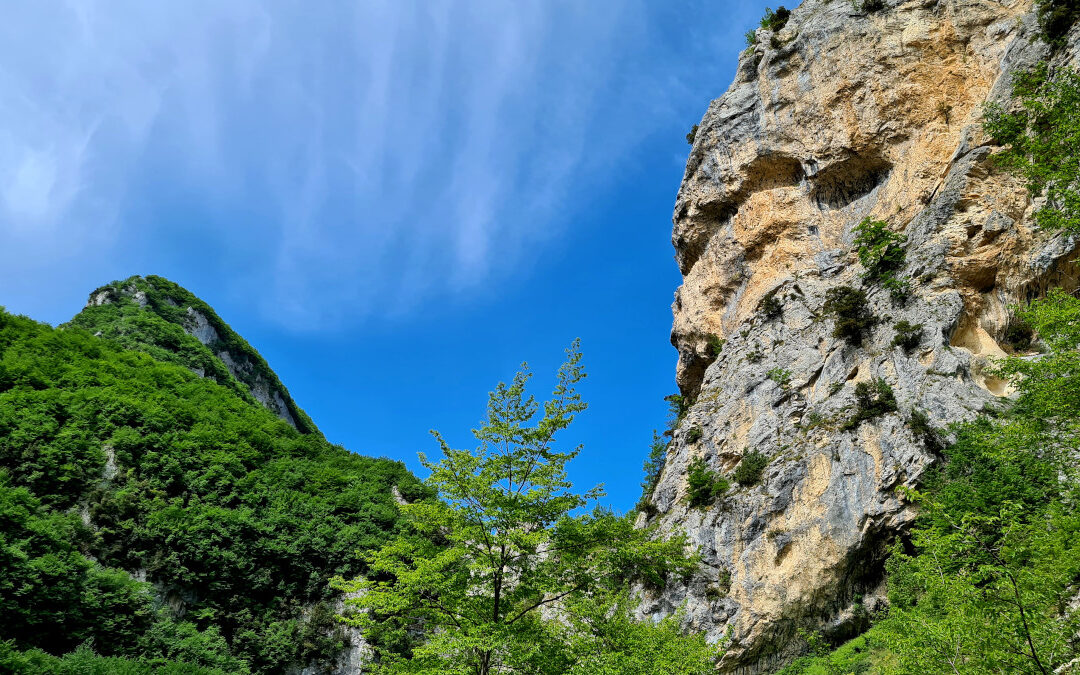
[155, 315]
[840, 115]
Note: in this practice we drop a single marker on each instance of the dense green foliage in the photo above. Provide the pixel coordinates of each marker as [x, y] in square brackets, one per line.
[237, 519]
[881, 252]
[510, 549]
[1056, 17]
[750, 469]
[863, 654]
[872, 399]
[704, 486]
[908, 335]
[1042, 131]
[851, 315]
[83, 661]
[156, 326]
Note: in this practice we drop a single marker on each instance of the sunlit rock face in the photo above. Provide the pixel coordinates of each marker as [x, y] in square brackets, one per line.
[843, 115]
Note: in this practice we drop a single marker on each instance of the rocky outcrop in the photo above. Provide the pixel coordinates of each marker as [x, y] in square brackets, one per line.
[839, 116]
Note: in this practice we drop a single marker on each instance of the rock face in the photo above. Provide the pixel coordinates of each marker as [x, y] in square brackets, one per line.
[839, 116]
[147, 313]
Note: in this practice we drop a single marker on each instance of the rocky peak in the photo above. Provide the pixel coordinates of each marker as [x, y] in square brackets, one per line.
[840, 116]
[155, 315]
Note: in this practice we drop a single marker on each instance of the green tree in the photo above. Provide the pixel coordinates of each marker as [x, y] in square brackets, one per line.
[500, 574]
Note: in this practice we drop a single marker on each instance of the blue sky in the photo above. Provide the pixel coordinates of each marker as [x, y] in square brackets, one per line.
[395, 202]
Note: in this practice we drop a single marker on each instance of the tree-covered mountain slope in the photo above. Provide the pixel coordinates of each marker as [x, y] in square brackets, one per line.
[156, 516]
[165, 320]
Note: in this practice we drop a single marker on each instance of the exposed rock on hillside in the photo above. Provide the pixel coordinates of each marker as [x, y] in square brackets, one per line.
[839, 116]
[155, 315]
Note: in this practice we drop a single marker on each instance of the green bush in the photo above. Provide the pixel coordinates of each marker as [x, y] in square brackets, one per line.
[872, 399]
[704, 486]
[715, 345]
[775, 21]
[692, 134]
[694, 435]
[1056, 18]
[770, 306]
[851, 314]
[908, 335]
[881, 252]
[751, 468]
[780, 376]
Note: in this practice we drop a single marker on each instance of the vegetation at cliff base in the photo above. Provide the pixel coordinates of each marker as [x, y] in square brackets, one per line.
[116, 467]
[503, 576]
[990, 573]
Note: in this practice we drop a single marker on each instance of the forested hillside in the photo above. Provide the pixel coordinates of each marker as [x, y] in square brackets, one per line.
[151, 514]
[163, 319]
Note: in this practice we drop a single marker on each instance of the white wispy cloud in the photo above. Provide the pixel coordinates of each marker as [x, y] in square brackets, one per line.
[359, 157]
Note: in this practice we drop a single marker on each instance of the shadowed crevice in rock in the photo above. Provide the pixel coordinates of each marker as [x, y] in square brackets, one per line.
[843, 182]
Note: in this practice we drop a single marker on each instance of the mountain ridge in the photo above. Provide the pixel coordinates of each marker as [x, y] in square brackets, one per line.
[158, 316]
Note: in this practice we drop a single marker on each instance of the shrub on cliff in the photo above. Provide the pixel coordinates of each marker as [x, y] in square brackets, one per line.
[703, 485]
[1042, 132]
[850, 312]
[908, 335]
[652, 467]
[881, 252]
[775, 21]
[1056, 18]
[770, 306]
[751, 468]
[872, 399]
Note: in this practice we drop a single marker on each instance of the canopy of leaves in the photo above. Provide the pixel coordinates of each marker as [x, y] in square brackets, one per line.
[485, 570]
[237, 517]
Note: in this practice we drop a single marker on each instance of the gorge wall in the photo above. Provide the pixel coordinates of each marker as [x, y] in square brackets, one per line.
[840, 115]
